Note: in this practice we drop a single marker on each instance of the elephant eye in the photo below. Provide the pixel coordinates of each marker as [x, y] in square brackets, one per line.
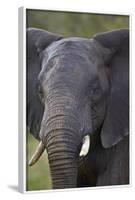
[96, 92]
[95, 87]
[49, 65]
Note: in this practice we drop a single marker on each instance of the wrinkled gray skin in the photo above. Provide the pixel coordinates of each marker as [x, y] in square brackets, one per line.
[78, 86]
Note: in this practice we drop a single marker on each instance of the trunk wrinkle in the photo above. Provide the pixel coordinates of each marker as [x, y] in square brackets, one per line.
[53, 118]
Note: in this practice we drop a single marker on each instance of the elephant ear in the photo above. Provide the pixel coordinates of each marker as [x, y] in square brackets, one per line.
[36, 41]
[116, 122]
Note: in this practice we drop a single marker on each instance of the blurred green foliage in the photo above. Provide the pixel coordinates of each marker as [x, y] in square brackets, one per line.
[66, 24]
[38, 176]
[75, 24]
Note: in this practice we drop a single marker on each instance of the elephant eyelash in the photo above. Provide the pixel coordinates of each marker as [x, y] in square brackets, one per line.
[94, 90]
[96, 93]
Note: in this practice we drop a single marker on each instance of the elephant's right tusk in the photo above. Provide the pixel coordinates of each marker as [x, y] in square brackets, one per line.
[39, 151]
[85, 146]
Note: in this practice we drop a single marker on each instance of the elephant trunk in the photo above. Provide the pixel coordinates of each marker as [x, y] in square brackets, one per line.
[62, 156]
[63, 144]
[61, 135]
[63, 140]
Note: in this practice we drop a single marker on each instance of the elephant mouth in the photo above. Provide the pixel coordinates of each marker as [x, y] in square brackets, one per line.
[41, 148]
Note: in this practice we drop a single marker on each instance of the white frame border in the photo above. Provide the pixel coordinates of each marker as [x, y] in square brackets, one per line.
[22, 101]
[22, 162]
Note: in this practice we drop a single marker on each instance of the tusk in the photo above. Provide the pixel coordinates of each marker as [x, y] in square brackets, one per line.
[85, 146]
[39, 151]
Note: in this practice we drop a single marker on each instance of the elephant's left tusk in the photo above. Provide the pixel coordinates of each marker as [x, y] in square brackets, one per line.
[39, 151]
[85, 146]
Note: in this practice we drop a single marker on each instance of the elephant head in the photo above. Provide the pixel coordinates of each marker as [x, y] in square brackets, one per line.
[76, 87]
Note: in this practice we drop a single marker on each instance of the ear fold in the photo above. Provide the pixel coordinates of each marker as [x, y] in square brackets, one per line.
[116, 122]
[36, 41]
[41, 38]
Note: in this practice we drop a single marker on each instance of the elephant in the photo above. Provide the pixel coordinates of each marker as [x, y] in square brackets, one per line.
[77, 103]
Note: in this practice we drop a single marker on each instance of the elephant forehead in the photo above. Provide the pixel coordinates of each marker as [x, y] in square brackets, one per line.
[78, 50]
[74, 46]
[77, 57]
[64, 74]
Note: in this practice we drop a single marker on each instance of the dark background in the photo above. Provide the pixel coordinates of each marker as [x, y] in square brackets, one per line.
[67, 24]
